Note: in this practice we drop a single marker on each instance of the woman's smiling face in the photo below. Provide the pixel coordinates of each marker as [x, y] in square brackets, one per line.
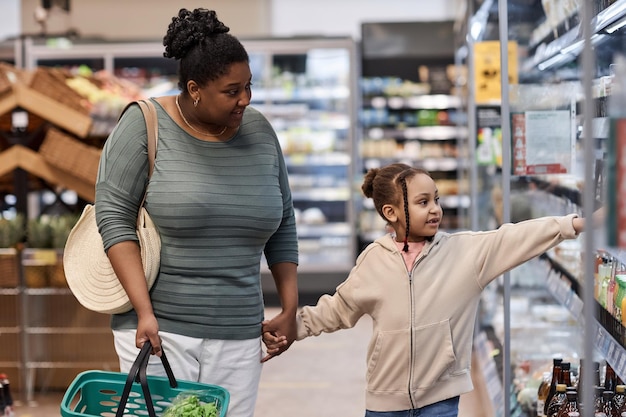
[223, 100]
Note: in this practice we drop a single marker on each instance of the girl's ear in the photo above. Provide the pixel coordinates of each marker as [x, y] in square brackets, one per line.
[390, 214]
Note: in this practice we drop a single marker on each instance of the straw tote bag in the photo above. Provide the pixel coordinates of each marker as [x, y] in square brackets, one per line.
[88, 271]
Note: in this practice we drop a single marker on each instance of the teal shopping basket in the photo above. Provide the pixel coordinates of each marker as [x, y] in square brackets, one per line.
[102, 393]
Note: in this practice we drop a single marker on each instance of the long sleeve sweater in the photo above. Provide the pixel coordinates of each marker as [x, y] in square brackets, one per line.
[218, 207]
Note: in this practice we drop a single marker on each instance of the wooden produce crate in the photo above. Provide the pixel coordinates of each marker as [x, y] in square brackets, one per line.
[9, 272]
[71, 155]
[51, 82]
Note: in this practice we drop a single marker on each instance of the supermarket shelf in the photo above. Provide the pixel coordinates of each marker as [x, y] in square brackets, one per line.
[324, 159]
[429, 164]
[420, 133]
[567, 47]
[606, 332]
[432, 101]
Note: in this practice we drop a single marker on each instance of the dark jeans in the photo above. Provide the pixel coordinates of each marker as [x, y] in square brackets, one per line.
[445, 408]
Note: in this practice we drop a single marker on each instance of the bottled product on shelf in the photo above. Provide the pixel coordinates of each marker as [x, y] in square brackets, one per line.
[571, 404]
[557, 401]
[620, 398]
[542, 393]
[556, 377]
[608, 406]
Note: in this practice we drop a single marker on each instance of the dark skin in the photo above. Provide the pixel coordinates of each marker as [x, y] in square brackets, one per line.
[220, 103]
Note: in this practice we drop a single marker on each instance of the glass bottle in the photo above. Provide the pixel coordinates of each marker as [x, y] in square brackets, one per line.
[598, 401]
[571, 405]
[620, 397]
[610, 378]
[608, 406]
[542, 394]
[566, 377]
[556, 376]
[558, 400]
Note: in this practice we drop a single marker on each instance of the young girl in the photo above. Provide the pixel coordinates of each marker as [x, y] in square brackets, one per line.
[422, 289]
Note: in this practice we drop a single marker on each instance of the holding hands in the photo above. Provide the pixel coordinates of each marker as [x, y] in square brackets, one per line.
[278, 334]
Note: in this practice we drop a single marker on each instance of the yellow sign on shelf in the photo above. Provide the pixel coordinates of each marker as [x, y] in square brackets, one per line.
[487, 71]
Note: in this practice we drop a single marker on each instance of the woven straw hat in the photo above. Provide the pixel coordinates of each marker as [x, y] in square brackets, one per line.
[88, 270]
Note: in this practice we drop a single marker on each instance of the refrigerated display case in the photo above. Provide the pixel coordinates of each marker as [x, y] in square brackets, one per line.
[556, 156]
[306, 88]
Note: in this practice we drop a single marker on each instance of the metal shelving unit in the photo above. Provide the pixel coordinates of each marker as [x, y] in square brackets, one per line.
[580, 48]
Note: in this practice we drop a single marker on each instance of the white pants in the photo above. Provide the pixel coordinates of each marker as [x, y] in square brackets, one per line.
[232, 364]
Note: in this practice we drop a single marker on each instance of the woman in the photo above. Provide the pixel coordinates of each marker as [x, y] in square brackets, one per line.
[220, 198]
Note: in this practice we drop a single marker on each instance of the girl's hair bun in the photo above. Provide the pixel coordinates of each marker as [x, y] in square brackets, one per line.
[368, 182]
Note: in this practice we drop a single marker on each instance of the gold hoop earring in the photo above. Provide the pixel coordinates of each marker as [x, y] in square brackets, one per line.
[196, 101]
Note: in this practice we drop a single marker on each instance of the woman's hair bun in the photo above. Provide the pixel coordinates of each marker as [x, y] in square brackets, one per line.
[190, 28]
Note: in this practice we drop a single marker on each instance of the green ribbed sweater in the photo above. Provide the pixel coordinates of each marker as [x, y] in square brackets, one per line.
[218, 206]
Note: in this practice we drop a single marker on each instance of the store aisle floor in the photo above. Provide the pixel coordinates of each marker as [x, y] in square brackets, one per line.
[320, 376]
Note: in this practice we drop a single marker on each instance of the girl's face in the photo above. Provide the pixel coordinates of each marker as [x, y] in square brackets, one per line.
[223, 100]
[425, 213]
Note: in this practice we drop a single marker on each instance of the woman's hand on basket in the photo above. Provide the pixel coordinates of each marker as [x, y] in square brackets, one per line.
[148, 329]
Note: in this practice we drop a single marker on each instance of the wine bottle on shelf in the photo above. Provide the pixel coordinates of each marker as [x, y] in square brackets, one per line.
[610, 378]
[556, 377]
[557, 401]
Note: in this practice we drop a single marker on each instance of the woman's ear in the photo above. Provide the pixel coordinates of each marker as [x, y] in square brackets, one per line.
[389, 212]
[192, 87]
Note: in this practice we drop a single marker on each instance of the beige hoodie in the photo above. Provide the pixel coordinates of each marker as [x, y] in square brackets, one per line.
[423, 320]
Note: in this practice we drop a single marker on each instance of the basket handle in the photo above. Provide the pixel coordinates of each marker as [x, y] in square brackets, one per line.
[138, 373]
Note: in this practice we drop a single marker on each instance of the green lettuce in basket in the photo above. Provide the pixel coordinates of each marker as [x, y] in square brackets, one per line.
[191, 404]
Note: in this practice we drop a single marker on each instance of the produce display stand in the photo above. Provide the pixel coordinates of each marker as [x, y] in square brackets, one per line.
[56, 151]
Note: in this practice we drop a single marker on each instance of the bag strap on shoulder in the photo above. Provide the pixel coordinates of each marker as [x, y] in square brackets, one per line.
[152, 128]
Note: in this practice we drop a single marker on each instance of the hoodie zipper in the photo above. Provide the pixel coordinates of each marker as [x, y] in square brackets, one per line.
[421, 256]
[411, 312]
